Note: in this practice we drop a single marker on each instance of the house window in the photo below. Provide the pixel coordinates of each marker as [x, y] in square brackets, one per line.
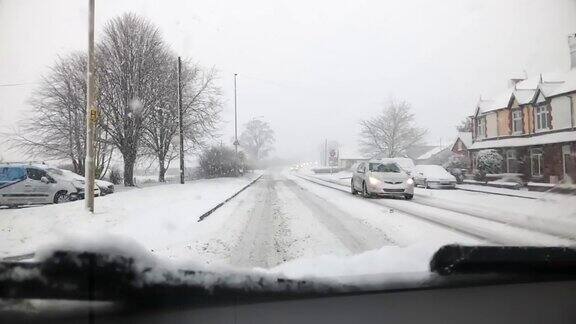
[541, 117]
[460, 148]
[481, 130]
[536, 161]
[517, 121]
[511, 161]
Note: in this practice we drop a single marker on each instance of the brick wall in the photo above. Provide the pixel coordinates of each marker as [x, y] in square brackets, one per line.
[504, 122]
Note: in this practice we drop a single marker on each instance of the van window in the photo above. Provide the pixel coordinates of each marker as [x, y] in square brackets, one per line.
[36, 174]
[9, 174]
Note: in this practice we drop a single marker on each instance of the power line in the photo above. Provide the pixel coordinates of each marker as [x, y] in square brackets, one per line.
[15, 84]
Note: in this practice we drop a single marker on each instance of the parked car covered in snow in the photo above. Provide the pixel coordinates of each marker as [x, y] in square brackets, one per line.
[77, 180]
[378, 178]
[106, 187]
[24, 184]
[433, 176]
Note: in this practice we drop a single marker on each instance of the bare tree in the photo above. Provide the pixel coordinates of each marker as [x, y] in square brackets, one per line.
[56, 126]
[465, 125]
[392, 132]
[200, 109]
[132, 81]
[257, 139]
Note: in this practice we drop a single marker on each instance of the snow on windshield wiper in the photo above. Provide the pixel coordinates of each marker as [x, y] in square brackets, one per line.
[98, 276]
[458, 259]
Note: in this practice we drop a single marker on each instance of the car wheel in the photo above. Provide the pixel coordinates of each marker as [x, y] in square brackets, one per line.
[408, 196]
[365, 192]
[61, 197]
[352, 189]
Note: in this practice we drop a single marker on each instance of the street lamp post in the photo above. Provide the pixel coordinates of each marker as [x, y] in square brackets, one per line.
[236, 143]
[91, 115]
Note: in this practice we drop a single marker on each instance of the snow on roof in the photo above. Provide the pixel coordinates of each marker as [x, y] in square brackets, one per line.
[499, 102]
[567, 84]
[431, 153]
[466, 138]
[524, 96]
[550, 138]
[551, 83]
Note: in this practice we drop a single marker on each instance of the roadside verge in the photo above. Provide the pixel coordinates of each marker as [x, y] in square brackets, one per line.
[213, 209]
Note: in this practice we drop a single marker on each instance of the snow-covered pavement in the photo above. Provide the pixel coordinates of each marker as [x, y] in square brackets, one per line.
[292, 223]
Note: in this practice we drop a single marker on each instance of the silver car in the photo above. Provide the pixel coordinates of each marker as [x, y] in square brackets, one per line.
[433, 176]
[377, 178]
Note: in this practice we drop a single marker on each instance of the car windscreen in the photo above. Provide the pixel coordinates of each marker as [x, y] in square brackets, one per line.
[9, 174]
[384, 167]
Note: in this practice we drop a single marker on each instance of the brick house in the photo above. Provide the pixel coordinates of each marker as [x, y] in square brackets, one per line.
[533, 125]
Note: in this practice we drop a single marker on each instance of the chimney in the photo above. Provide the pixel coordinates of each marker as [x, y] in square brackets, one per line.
[572, 46]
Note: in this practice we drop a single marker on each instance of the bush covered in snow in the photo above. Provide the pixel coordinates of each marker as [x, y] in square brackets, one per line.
[218, 161]
[487, 161]
[457, 161]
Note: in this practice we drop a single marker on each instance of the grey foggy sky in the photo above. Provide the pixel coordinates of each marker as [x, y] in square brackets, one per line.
[313, 69]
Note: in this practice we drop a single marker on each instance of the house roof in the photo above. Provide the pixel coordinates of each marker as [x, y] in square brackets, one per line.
[563, 84]
[551, 84]
[431, 153]
[524, 96]
[465, 137]
[499, 102]
[549, 138]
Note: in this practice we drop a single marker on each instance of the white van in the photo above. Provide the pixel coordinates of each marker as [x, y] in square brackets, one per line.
[23, 184]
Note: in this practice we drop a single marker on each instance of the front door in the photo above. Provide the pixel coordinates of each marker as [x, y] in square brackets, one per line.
[37, 191]
[567, 162]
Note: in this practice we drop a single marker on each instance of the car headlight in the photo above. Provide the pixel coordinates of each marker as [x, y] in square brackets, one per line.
[410, 181]
[373, 181]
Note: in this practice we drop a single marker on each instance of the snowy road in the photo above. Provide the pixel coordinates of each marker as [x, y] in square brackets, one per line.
[286, 216]
[282, 217]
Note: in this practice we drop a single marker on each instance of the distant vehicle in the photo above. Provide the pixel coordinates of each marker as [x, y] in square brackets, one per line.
[77, 180]
[381, 178]
[433, 176]
[23, 184]
[407, 164]
[106, 187]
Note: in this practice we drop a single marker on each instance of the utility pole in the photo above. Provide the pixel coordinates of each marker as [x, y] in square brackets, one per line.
[236, 143]
[180, 127]
[91, 115]
[326, 152]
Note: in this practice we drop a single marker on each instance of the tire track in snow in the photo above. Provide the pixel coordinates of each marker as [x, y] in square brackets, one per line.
[257, 245]
[355, 235]
[489, 230]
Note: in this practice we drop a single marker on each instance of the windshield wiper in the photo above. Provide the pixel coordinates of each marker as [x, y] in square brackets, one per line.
[94, 276]
[458, 259]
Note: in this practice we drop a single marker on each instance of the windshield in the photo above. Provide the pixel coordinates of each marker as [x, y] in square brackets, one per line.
[9, 174]
[384, 167]
[303, 139]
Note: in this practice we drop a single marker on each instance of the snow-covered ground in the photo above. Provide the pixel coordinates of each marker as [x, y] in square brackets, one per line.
[292, 223]
[152, 216]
